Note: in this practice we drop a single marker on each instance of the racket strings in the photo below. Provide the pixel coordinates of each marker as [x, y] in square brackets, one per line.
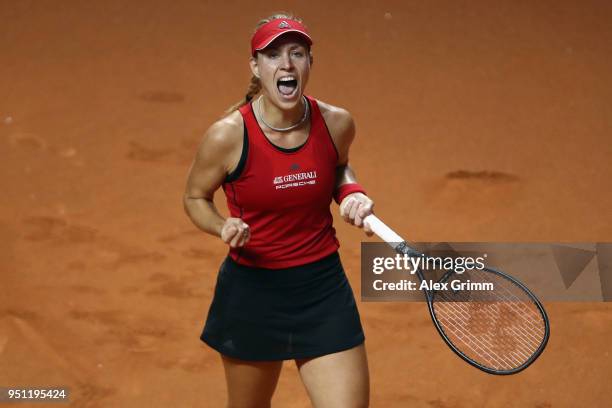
[500, 329]
[480, 347]
[498, 349]
[507, 311]
[528, 310]
[501, 283]
[504, 341]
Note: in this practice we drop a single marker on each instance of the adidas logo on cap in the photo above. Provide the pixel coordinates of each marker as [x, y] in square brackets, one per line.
[284, 24]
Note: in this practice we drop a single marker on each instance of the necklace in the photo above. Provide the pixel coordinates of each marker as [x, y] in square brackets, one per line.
[286, 129]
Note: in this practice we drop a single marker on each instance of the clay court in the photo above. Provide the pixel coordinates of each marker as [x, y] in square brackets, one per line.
[477, 121]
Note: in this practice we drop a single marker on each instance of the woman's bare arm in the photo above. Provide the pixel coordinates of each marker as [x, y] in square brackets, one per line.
[217, 155]
[356, 206]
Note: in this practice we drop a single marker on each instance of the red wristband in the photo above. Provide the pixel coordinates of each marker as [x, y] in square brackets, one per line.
[347, 189]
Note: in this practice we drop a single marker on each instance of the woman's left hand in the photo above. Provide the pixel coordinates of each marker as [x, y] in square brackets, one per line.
[354, 208]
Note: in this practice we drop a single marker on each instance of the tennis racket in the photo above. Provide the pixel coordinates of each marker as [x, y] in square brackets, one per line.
[500, 331]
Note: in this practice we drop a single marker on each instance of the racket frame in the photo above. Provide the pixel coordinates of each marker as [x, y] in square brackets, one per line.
[401, 247]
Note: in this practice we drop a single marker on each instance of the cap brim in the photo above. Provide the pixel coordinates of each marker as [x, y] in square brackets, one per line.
[275, 36]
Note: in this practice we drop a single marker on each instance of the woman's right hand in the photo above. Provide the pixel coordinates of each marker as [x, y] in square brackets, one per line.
[235, 232]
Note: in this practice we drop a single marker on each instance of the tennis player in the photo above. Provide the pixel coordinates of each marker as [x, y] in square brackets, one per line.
[282, 294]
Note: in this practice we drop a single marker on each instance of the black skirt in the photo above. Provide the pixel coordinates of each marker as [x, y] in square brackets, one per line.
[281, 314]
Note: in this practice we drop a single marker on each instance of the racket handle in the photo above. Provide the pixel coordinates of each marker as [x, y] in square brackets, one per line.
[380, 228]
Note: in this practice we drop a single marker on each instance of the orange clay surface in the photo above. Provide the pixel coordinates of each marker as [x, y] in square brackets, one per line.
[477, 121]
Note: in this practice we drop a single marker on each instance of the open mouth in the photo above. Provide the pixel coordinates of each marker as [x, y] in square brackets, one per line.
[287, 85]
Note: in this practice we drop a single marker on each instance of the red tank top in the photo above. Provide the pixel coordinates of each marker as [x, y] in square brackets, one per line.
[284, 196]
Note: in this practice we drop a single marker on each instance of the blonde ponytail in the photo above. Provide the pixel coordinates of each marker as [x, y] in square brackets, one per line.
[252, 91]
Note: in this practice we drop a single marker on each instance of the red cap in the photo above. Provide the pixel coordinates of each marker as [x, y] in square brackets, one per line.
[274, 29]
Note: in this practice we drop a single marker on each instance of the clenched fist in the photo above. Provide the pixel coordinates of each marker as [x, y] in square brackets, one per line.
[235, 232]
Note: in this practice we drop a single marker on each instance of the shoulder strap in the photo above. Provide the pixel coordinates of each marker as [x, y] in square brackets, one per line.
[319, 126]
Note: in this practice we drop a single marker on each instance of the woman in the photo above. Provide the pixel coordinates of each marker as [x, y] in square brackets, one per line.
[282, 293]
